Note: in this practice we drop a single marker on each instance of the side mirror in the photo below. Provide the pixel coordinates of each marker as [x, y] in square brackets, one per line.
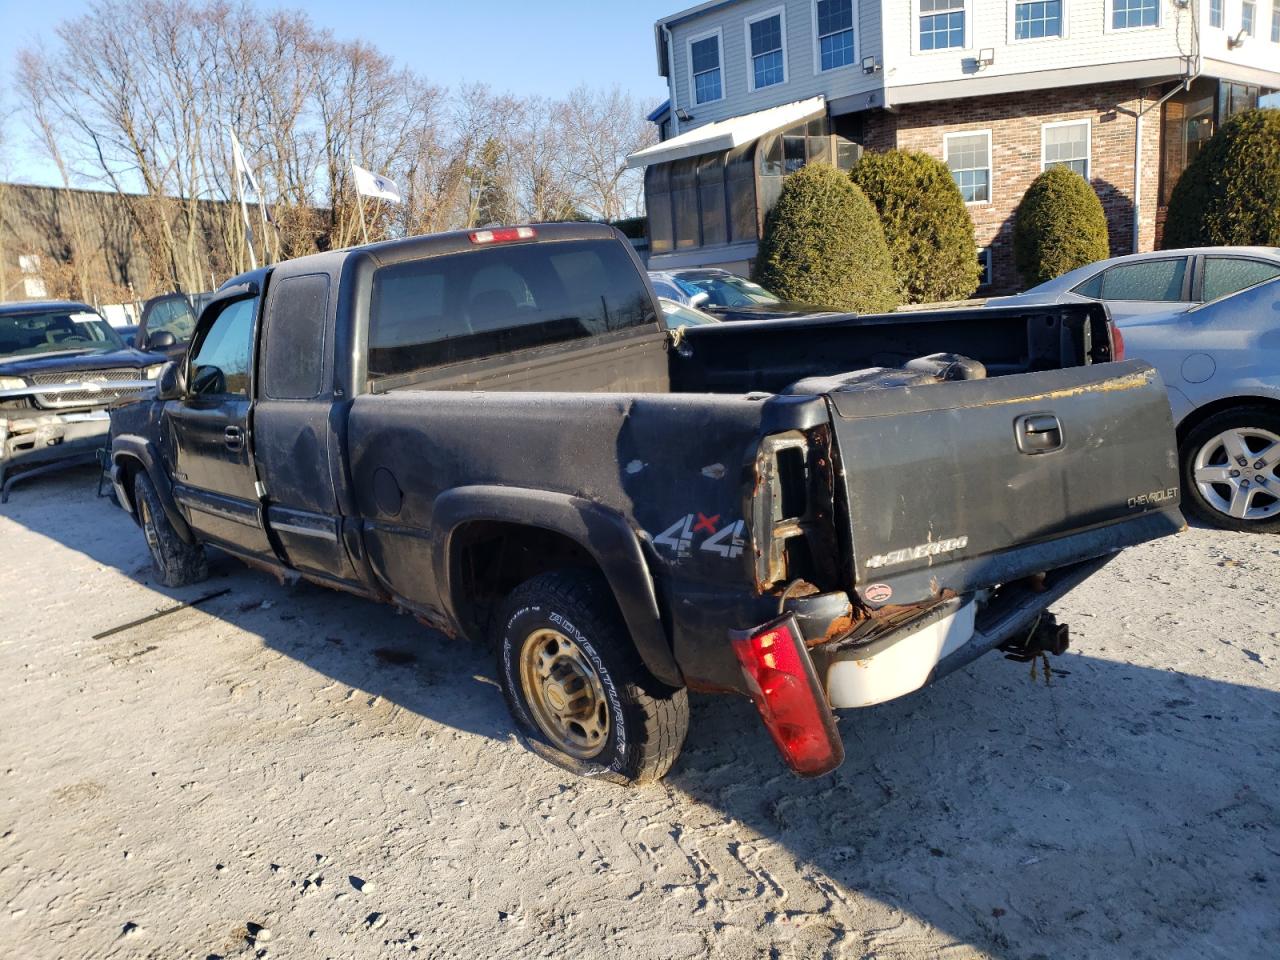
[172, 382]
[161, 339]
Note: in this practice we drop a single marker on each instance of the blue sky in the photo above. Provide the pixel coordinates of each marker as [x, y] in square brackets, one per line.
[544, 48]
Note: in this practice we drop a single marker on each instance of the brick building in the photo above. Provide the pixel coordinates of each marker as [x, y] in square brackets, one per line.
[1124, 91]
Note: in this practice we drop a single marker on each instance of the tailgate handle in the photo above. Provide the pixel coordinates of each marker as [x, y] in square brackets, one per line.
[1038, 433]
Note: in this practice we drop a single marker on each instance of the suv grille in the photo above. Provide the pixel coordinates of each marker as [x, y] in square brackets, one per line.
[85, 398]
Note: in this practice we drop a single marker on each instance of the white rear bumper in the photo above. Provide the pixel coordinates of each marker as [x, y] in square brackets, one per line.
[899, 664]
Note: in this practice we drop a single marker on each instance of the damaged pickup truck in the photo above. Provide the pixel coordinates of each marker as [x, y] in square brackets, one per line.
[494, 431]
[61, 367]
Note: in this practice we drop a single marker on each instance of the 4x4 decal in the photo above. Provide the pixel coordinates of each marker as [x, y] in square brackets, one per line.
[727, 541]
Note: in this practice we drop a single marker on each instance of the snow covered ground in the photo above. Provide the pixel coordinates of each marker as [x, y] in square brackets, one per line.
[291, 772]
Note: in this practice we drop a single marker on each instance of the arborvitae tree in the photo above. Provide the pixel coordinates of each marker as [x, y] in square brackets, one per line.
[926, 225]
[823, 244]
[1230, 193]
[1059, 226]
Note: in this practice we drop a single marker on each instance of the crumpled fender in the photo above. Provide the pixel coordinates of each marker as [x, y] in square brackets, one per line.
[603, 533]
[132, 447]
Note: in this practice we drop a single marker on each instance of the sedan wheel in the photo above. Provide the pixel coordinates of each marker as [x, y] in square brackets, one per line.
[1236, 473]
[1231, 470]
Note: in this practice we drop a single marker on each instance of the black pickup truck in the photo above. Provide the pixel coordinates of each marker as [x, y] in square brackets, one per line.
[495, 431]
[62, 366]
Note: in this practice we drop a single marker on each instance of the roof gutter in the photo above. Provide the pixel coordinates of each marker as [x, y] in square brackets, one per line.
[678, 18]
[674, 106]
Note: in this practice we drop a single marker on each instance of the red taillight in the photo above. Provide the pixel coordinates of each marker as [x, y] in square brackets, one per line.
[503, 235]
[787, 693]
[1117, 343]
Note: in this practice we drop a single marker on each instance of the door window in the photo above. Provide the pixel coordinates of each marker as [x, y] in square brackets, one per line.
[172, 315]
[1224, 275]
[220, 362]
[1154, 280]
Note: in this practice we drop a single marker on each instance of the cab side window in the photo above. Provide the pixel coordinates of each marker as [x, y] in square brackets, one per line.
[221, 360]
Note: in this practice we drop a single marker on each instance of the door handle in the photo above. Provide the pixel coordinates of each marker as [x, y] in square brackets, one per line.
[234, 438]
[1038, 433]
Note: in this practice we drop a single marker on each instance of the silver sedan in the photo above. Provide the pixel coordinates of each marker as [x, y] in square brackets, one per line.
[1158, 282]
[1221, 364]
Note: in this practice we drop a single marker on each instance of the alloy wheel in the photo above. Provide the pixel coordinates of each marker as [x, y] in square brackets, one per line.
[1238, 473]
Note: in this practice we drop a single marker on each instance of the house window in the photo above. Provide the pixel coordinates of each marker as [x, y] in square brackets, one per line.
[1275, 21]
[704, 67]
[1248, 16]
[985, 276]
[941, 24]
[1126, 14]
[1065, 145]
[835, 33]
[766, 41]
[1215, 13]
[1037, 20]
[969, 157]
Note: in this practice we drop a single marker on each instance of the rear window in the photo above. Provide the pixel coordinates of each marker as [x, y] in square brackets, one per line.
[464, 306]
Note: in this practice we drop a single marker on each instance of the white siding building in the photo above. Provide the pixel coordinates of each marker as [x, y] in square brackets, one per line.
[997, 88]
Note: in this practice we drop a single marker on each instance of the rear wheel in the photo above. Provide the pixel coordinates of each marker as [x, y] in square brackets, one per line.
[573, 679]
[1231, 470]
[176, 563]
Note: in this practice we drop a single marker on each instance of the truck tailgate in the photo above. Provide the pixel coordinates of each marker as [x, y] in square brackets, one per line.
[962, 485]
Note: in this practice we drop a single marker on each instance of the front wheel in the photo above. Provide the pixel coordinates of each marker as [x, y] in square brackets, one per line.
[1231, 470]
[572, 678]
[176, 563]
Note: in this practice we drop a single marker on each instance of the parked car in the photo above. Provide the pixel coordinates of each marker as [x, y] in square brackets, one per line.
[727, 296]
[61, 367]
[1221, 364]
[1158, 282]
[496, 431]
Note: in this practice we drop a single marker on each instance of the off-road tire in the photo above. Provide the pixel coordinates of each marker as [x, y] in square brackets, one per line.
[176, 563]
[648, 720]
[1235, 418]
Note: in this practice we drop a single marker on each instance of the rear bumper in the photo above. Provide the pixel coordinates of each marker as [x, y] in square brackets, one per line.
[947, 638]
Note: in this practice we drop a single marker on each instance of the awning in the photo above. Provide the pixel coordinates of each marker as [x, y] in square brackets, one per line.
[727, 134]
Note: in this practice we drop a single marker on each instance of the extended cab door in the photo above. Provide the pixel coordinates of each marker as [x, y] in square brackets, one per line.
[166, 326]
[208, 431]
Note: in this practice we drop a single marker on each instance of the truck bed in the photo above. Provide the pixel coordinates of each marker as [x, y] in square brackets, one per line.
[769, 355]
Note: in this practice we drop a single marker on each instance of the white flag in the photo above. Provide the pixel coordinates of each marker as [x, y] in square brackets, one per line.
[370, 184]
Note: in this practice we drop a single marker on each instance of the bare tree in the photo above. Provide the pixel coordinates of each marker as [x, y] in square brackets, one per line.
[601, 129]
[140, 98]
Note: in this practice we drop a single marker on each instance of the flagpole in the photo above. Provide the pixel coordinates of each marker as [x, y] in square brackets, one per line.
[364, 229]
[244, 209]
[266, 238]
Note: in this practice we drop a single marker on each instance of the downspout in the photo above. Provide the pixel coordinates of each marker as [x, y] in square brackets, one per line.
[671, 82]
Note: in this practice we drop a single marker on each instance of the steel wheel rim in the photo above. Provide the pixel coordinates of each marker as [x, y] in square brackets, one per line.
[149, 530]
[1238, 473]
[564, 693]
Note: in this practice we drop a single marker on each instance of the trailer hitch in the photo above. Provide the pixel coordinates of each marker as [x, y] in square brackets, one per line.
[1046, 636]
